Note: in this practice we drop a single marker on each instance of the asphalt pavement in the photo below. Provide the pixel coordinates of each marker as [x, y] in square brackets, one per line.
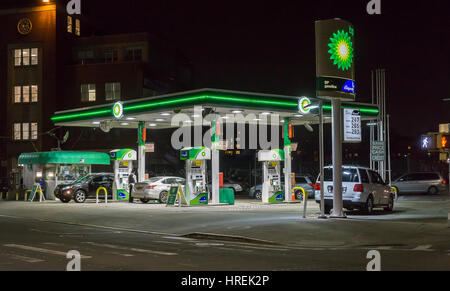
[245, 236]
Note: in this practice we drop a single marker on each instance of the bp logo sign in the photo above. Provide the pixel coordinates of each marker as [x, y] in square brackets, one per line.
[341, 50]
[118, 110]
[303, 105]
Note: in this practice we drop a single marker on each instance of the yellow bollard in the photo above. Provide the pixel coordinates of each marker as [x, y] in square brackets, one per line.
[106, 194]
[298, 188]
[26, 194]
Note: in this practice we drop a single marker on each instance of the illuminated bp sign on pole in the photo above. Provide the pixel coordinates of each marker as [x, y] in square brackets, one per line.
[335, 59]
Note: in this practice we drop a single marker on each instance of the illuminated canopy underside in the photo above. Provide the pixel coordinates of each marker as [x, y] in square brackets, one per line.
[222, 101]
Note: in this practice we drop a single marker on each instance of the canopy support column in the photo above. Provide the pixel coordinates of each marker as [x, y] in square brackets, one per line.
[141, 151]
[287, 162]
[215, 191]
[337, 160]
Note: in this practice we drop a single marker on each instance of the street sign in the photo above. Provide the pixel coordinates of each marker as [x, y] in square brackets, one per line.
[150, 147]
[378, 150]
[352, 125]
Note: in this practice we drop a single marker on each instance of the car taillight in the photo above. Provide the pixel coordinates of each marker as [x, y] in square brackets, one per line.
[358, 188]
[312, 184]
[151, 186]
[317, 186]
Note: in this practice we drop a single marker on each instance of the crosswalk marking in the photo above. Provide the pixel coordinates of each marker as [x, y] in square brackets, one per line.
[131, 249]
[41, 250]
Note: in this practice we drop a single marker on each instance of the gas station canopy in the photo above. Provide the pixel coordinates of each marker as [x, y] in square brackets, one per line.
[157, 111]
[60, 157]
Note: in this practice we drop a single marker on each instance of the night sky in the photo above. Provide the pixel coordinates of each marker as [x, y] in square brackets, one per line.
[269, 47]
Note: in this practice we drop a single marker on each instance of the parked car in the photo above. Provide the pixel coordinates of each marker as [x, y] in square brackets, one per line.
[155, 188]
[431, 183]
[85, 187]
[305, 182]
[362, 189]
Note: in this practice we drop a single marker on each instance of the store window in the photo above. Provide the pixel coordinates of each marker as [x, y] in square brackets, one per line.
[112, 91]
[88, 93]
[71, 173]
[69, 24]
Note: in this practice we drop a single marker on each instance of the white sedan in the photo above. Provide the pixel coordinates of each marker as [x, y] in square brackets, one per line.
[155, 188]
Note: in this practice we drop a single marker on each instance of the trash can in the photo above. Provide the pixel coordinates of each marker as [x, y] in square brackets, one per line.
[226, 195]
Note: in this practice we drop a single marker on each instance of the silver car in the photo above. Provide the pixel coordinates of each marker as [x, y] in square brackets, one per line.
[431, 183]
[155, 188]
[362, 189]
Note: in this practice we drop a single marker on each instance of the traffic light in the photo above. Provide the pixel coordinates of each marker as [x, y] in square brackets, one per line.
[445, 141]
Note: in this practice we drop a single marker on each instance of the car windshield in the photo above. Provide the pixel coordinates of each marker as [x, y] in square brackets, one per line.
[348, 175]
[83, 178]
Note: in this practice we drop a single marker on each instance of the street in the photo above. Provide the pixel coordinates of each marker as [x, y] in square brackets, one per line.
[245, 236]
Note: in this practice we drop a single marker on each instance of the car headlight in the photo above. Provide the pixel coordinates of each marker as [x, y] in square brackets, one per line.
[67, 188]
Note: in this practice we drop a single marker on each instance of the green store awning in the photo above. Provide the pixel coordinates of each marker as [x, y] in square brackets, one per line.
[88, 158]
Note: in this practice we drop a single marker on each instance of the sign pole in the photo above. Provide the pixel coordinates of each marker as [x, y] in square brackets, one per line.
[337, 159]
[321, 161]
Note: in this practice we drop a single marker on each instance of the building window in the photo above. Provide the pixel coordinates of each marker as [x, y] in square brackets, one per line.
[69, 24]
[85, 56]
[17, 94]
[111, 55]
[22, 94]
[34, 131]
[34, 56]
[26, 94]
[34, 93]
[26, 57]
[17, 131]
[112, 91]
[77, 27]
[25, 131]
[88, 92]
[134, 54]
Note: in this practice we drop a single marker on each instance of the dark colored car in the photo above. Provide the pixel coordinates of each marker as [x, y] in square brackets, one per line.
[85, 187]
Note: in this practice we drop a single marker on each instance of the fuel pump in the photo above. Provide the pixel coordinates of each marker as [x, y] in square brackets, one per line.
[123, 165]
[272, 190]
[196, 158]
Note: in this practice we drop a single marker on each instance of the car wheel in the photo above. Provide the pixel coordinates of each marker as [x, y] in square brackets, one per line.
[144, 200]
[433, 190]
[163, 197]
[258, 195]
[80, 196]
[390, 206]
[369, 205]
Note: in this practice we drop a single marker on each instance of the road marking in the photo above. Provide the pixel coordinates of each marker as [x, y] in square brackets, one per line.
[8, 216]
[423, 248]
[41, 250]
[209, 244]
[131, 249]
[168, 242]
[25, 259]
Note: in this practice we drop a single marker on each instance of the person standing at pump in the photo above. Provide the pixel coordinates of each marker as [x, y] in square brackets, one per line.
[131, 181]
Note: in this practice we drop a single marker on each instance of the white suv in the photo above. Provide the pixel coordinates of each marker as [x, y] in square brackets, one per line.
[362, 189]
